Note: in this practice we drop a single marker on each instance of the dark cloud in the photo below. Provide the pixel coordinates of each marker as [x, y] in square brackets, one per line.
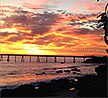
[93, 21]
[4, 34]
[5, 42]
[61, 29]
[19, 36]
[39, 23]
[82, 17]
[15, 39]
[82, 31]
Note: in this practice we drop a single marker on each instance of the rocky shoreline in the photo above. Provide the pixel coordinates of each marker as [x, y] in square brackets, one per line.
[43, 90]
[87, 86]
[93, 86]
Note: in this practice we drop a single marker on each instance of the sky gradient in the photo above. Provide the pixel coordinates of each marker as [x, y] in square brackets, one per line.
[52, 27]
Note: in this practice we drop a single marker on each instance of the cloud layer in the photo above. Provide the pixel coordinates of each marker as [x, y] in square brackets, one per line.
[52, 30]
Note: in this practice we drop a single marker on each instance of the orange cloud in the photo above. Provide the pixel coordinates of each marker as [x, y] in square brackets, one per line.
[52, 33]
[15, 29]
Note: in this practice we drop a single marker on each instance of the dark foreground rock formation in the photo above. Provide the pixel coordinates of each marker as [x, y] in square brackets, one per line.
[93, 86]
[43, 90]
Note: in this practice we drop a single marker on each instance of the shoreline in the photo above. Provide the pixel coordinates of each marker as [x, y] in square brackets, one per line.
[65, 87]
[55, 88]
[94, 85]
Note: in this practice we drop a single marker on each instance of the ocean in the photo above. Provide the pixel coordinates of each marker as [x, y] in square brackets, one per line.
[13, 74]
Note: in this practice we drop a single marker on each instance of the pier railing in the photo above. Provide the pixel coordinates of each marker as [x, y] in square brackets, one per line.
[38, 57]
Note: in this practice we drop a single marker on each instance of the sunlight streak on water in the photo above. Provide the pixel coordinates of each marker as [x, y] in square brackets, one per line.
[18, 73]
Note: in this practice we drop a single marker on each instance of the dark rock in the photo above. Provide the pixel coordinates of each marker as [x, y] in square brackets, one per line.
[60, 71]
[71, 67]
[62, 62]
[92, 85]
[101, 69]
[54, 68]
[75, 69]
[78, 70]
[54, 86]
[74, 72]
[22, 91]
[40, 73]
[67, 71]
[11, 73]
[78, 73]
[44, 90]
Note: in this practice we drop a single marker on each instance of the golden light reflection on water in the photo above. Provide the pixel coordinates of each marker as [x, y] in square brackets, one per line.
[24, 79]
[18, 73]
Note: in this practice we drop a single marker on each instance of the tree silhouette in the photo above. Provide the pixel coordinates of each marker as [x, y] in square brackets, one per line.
[104, 20]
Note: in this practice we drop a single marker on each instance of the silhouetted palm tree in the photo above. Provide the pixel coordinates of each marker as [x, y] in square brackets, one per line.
[104, 20]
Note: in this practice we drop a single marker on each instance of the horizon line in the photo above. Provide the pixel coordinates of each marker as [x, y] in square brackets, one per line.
[49, 55]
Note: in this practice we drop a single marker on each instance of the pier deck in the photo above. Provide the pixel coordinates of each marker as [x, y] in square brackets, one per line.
[38, 59]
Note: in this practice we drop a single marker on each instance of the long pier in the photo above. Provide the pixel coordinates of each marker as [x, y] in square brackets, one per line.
[38, 57]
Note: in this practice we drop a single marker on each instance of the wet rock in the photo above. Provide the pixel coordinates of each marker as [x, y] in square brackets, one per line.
[44, 90]
[71, 67]
[74, 72]
[75, 69]
[78, 73]
[54, 68]
[62, 62]
[40, 73]
[11, 73]
[67, 71]
[101, 69]
[93, 85]
[59, 71]
[78, 70]
[22, 91]
[54, 86]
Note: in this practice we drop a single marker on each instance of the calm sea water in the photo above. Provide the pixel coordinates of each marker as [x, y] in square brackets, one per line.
[14, 74]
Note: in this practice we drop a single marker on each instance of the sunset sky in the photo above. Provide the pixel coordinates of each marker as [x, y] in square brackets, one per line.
[52, 27]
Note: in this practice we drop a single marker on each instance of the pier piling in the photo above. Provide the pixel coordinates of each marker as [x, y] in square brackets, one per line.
[1, 58]
[22, 59]
[64, 59]
[8, 58]
[46, 59]
[55, 60]
[38, 59]
[15, 58]
[84, 58]
[30, 58]
[74, 60]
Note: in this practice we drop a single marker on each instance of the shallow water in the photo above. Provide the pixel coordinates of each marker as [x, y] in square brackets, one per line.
[14, 74]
